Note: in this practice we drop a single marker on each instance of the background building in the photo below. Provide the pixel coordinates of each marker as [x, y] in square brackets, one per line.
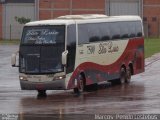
[151, 17]
[53, 8]
[9, 27]
[149, 10]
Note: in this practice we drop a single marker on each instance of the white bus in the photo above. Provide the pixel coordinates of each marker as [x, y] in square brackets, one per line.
[74, 51]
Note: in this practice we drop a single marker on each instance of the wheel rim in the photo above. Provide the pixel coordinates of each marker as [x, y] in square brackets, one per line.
[122, 80]
[81, 85]
[128, 76]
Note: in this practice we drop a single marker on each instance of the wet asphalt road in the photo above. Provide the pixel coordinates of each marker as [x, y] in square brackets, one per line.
[141, 96]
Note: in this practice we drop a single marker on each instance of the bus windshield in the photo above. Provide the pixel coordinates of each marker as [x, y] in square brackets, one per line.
[41, 49]
[43, 35]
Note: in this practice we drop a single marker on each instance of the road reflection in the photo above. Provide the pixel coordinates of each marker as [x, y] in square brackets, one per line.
[110, 100]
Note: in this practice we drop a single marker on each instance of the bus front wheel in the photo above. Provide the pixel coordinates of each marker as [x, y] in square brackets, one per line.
[81, 85]
[41, 93]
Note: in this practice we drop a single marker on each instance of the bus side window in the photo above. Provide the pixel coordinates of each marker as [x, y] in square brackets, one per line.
[132, 29]
[94, 39]
[104, 38]
[83, 35]
[138, 29]
[124, 36]
[132, 35]
[105, 31]
[139, 34]
[116, 37]
[124, 30]
[94, 32]
[115, 30]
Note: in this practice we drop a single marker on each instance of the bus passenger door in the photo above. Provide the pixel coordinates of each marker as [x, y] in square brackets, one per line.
[71, 47]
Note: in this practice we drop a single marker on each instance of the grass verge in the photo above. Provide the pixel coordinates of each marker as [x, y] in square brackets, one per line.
[9, 42]
[152, 46]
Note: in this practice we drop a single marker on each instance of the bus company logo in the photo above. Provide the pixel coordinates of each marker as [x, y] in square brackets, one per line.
[113, 49]
[81, 52]
[40, 36]
[108, 47]
[91, 49]
[102, 48]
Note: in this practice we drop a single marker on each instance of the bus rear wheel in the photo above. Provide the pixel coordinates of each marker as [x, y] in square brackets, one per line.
[128, 75]
[122, 78]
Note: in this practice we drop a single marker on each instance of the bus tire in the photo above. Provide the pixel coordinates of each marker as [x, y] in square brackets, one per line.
[81, 85]
[42, 93]
[94, 87]
[128, 75]
[122, 78]
[114, 82]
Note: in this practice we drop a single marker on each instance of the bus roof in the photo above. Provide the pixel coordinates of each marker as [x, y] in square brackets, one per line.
[80, 19]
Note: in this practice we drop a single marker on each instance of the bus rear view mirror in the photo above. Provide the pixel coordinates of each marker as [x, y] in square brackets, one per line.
[13, 59]
[64, 57]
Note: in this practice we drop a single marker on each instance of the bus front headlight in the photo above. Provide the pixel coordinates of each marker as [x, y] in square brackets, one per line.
[59, 77]
[22, 78]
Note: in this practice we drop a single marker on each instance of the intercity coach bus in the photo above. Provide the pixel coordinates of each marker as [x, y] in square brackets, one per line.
[75, 51]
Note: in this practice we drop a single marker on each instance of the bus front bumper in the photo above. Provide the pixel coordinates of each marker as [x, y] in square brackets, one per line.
[51, 85]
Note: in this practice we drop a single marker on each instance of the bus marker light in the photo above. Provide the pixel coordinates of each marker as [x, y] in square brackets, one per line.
[59, 77]
[22, 78]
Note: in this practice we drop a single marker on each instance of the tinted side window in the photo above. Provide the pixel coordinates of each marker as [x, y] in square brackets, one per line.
[94, 32]
[132, 29]
[89, 33]
[105, 31]
[115, 30]
[83, 34]
[124, 29]
[138, 29]
[71, 34]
